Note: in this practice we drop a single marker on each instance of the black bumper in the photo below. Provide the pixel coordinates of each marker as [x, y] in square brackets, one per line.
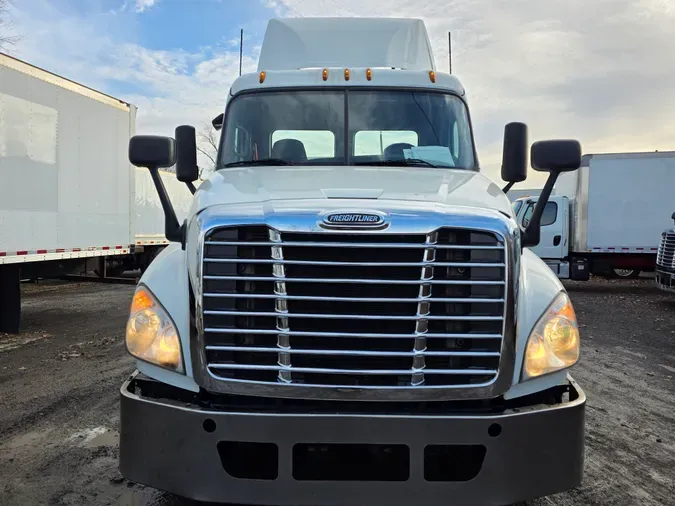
[665, 280]
[266, 458]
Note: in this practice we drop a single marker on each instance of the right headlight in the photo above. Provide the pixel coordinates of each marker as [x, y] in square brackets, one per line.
[554, 342]
[151, 335]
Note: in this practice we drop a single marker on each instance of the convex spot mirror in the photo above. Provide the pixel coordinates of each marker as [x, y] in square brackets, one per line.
[186, 154]
[514, 158]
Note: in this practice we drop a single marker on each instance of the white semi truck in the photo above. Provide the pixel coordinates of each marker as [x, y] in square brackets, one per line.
[607, 217]
[350, 313]
[70, 201]
[665, 260]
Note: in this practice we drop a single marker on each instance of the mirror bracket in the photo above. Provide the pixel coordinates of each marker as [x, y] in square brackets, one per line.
[531, 235]
[172, 230]
[555, 157]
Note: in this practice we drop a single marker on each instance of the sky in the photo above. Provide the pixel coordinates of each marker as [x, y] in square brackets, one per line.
[601, 71]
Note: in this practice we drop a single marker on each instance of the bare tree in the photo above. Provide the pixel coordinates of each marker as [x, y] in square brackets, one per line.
[207, 145]
[6, 26]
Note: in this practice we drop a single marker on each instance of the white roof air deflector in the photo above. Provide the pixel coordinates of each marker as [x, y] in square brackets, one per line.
[296, 43]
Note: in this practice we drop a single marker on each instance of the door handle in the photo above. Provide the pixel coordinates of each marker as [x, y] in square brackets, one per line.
[556, 240]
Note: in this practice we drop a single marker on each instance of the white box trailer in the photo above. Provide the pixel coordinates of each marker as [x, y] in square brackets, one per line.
[67, 190]
[607, 217]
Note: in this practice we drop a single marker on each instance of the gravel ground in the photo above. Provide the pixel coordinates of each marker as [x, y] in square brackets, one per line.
[59, 383]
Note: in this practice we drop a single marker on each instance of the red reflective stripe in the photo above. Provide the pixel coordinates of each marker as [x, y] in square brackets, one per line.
[21, 252]
[41, 251]
[60, 250]
[77, 249]
[625, 249]
[106, 247]
[3, 254]
[118, 247]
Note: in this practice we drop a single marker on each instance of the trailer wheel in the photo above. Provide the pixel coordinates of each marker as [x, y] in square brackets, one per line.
[625, 273]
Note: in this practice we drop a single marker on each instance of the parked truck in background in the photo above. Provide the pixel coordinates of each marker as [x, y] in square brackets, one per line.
[665, 260]
[70, 201]
[606, 218]
[350, 313]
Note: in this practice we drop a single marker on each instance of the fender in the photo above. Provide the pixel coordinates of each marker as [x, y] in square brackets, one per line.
[538, 287]
[167, 279]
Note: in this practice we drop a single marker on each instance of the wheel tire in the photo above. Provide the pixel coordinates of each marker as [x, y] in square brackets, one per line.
[625, 273]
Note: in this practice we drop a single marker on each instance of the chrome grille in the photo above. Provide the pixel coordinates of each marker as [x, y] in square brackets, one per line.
[371, 310]
[666, 254]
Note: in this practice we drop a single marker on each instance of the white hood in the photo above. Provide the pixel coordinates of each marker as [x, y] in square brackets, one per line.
[421, 184]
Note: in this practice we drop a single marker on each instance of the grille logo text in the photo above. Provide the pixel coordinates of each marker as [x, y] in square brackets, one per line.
[354, 219]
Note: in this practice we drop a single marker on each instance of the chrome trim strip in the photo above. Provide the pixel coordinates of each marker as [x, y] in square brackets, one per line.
[387, 245]
[348, 334]
[357, 353]
[383, 393]
[457, 300]
[408, 217]
[423, 311]
[341, 264]
[280, 309]
[358, 281]
[422, 315]
[364, 372]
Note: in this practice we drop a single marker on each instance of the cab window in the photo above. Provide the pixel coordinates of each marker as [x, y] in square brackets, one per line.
[549, 216]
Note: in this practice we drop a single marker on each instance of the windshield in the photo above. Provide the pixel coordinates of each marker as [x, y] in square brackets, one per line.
[340, 127]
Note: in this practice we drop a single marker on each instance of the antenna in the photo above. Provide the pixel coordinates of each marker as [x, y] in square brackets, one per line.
[241, 49]
[450, 51]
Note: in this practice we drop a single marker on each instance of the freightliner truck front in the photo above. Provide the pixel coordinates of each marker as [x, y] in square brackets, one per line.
[350, 313]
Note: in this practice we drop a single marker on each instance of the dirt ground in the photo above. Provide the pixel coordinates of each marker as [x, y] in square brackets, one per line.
[59, 383]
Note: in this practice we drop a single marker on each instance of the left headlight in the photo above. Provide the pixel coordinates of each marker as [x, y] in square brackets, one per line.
[554, 342]
[151, 334]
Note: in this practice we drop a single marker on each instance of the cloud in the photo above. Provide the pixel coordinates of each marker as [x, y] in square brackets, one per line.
[143, 5]
[599, 71]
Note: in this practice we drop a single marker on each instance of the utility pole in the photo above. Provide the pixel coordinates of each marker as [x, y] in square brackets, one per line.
[241, 49]
[450, 51]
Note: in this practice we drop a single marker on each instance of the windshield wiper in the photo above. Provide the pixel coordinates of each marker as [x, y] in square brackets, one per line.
[265, 161]
[403, 163]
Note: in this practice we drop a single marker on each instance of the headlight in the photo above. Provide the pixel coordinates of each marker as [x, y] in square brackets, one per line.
[554, 341]
[151, 335]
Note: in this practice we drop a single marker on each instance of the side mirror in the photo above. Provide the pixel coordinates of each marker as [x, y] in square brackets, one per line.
[554, 157]
[186, 150]
[152, 151]
[514, 159]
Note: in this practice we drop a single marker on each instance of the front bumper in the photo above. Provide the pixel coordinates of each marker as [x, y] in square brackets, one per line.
[665, 280]
[288, 457]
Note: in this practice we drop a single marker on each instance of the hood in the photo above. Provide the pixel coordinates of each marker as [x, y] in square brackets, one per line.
[420, 184]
